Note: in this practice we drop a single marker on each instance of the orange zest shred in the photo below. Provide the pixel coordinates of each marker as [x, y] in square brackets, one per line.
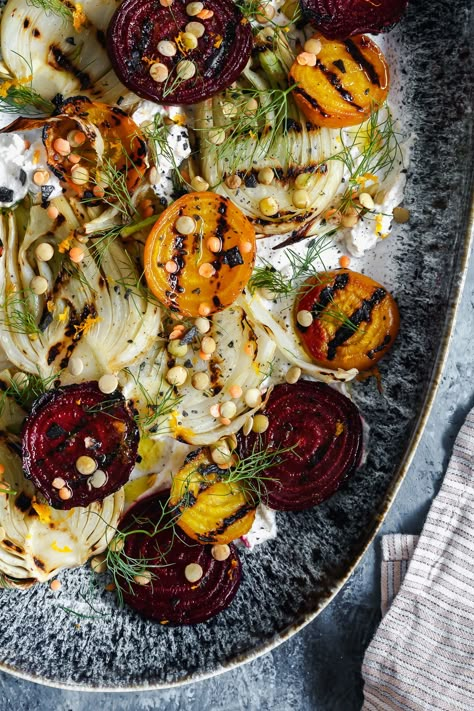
[64, 315]
[7, 85]
[65, 245]
[179, 119]
[79, 17]
[180, 43]
[86, 325]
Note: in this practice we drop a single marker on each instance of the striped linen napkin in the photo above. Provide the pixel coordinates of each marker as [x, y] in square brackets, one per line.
[422, 656]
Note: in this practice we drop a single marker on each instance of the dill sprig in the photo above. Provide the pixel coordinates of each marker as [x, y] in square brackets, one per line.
[259, 127]
[134, 285]
[177, 78]
[101, 240]
[373, 150]
[254, 10]
[125, 569]
[156, 408]
[158, 134]
[26, 390]
[53, 7]
[334, 314]
[17, 95]
[113, 182]
[302, 267]
[22, 99]
[251, 472]
[18, 317]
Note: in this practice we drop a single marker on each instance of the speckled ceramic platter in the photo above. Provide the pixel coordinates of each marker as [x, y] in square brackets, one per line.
[289, 580]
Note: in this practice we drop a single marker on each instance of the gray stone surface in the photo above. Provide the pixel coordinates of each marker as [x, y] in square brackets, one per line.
[318, 669]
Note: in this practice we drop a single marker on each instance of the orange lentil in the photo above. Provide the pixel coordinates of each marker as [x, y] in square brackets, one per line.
[306, 58]
[205, 356]
[2, 469]
[214, 244]
[55, 585]
[235, 391]
[171, 267]
[204, 310]
[206, 270]
[77, 138]
[41, 177]
[148, 211]
[246, 247]
[215, 410]
[76, 255]
[225, 421]
[205, 14]
[73, 158]
[65, 494]
[52, 212]
[344, 261]
[98, 191]
[62, 146]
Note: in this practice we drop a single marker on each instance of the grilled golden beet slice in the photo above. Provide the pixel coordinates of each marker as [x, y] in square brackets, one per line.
[199, 254]
[212, 509]
[349, 80]
[105, 144]
[354, 319]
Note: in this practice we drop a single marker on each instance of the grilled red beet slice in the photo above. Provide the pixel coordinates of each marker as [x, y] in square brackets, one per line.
[325, 429]
[72, 422]
[169, 597]
[338, 19]
[219, 58]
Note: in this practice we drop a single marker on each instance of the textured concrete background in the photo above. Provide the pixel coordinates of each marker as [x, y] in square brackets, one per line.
[319, 669]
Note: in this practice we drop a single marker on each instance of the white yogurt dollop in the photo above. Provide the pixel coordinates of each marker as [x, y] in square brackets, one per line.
[176, 150]
[264, 528]
[20, 157]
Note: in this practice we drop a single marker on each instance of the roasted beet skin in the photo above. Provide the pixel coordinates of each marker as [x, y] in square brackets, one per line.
[338, 19]
[325, 429]
[169, 597]
[219, 58]
[74, 421]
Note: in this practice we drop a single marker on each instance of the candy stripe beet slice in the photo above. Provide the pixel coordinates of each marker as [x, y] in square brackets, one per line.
[169, 597]
[324, 429]
[191, 74]
[338, 19]
[79, 421]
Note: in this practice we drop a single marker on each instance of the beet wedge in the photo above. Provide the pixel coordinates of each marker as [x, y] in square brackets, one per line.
[73, 422]
[323, 431]
[153, 55]
[339, 19]
[164, 593]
